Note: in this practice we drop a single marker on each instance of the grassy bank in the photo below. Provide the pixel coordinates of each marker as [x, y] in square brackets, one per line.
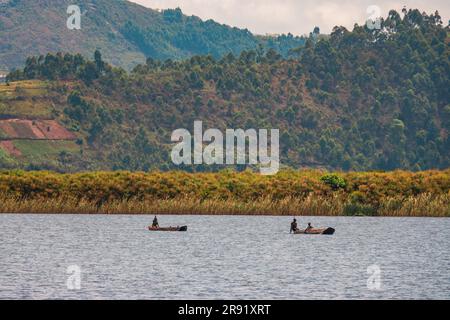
[396, 193]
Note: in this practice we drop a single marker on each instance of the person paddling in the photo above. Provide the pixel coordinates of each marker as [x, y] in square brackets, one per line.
[294, 226]
[155, 223]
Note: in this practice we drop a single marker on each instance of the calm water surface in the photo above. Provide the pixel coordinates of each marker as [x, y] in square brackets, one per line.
[224, 257]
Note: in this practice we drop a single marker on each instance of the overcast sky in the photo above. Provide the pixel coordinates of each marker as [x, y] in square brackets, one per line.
[295, 16]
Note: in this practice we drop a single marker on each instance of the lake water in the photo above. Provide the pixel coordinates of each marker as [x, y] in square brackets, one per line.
[222, 257]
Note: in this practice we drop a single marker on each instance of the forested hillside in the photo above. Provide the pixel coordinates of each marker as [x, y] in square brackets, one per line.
[357, 100]
[125, 32]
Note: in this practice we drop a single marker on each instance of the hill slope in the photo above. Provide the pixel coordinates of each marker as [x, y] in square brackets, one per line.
[357, 100]
[125, 32]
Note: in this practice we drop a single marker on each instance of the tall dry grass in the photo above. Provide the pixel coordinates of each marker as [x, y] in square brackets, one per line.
[422, 205]
[427, 205]
[290, 192]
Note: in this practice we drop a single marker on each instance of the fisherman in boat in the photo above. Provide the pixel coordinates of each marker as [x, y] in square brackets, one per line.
[155, 223]
[293, 226]
[309, 227]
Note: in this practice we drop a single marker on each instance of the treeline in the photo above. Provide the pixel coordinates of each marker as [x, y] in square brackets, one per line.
[308, 192]
[356, 100]
[62, 67]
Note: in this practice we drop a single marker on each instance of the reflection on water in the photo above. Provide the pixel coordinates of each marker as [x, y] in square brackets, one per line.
[223, 257]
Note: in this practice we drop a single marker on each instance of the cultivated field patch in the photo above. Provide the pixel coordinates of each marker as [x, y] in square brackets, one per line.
[17, 129]
[10, 148]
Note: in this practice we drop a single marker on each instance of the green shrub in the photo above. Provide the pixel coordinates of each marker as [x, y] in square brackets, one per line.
[334, 181]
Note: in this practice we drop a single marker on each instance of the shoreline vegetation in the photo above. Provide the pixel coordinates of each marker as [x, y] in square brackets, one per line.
[290, 192]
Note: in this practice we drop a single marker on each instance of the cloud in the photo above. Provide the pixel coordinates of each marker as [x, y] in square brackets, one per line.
[294, 16]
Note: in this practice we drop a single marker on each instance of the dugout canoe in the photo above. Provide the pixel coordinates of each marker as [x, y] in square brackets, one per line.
[328, 231]
[183, 228]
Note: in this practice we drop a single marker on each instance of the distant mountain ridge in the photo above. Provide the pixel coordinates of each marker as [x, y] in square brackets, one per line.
[125, 32]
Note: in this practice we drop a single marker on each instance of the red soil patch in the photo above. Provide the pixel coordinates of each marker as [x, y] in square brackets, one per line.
[54, 131]
[23, 130]
[9, 147]
[35, 130]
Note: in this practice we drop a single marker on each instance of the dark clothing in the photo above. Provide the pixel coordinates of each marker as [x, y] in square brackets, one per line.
[293, 226]
[155, 223]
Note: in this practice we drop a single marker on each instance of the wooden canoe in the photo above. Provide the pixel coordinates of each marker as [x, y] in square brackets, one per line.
[183, 228]
[316, 231]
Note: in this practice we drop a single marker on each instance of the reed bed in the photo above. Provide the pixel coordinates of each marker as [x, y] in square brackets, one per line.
[290, 192]
[424, 205]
